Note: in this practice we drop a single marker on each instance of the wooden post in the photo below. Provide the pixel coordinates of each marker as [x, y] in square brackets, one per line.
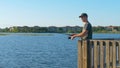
[114, 54]
[111, 53]
[85, 54]
[107, 55]
[95, 54]
[98, 54]
[119, 53]
[80, 54]
[101, 55]
[89, 54]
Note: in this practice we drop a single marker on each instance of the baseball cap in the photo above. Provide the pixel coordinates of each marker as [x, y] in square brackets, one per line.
[83, 14]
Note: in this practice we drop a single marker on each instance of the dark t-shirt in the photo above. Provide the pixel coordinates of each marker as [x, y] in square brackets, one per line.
[87, 27]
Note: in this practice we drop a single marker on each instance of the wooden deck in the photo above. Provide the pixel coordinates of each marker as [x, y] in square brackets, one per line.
[98, 53]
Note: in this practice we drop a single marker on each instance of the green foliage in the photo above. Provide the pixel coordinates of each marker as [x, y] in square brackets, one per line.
[37, 29]
[60, 30]
[70, 31]
[15, 29]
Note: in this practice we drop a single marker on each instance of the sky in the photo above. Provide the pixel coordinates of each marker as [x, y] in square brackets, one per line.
[58, 12]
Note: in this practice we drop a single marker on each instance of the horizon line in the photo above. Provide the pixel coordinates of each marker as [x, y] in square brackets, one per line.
[57, 26]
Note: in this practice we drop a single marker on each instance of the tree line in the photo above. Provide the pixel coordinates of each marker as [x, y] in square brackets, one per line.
[53, 29]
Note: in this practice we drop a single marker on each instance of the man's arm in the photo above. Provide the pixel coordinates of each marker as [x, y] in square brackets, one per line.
[83, 33]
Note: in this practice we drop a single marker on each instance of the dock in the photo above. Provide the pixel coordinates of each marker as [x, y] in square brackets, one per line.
[99, 53]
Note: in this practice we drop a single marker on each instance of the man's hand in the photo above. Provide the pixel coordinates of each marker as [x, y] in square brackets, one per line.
[72, 37]
[72, 34]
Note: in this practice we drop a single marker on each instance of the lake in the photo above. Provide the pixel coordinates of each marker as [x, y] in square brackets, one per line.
[40, 50]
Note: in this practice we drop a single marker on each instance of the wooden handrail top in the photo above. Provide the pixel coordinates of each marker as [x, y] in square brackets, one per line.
[105, 39]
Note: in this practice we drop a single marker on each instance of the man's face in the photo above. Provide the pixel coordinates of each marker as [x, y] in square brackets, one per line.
[84, 18]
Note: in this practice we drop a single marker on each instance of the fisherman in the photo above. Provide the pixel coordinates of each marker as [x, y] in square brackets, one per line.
[87, 28]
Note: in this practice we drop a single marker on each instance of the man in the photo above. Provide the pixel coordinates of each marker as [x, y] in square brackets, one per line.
[87, 29]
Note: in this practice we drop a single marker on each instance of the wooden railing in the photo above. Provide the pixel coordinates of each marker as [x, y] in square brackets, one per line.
[99, 53]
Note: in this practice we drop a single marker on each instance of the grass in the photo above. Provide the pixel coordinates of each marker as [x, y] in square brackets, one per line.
[27, 34]
[2, 34]
[36, 34]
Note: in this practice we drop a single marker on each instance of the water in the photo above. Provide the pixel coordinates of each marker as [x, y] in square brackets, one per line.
[40, 50]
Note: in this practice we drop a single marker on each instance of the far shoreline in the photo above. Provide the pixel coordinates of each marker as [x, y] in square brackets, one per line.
[8, 33]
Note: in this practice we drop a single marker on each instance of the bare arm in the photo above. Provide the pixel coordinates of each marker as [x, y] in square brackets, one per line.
[83, 33]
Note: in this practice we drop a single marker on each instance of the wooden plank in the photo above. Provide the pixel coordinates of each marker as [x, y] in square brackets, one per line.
[82, 53]
[119, 53]
[79, 54]
[107, 55]
[111, 54]
[95, 54]
[101, 55]
[114, 54]
[98, 54]
[83, 65]
[85, 54]
[89, 53]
